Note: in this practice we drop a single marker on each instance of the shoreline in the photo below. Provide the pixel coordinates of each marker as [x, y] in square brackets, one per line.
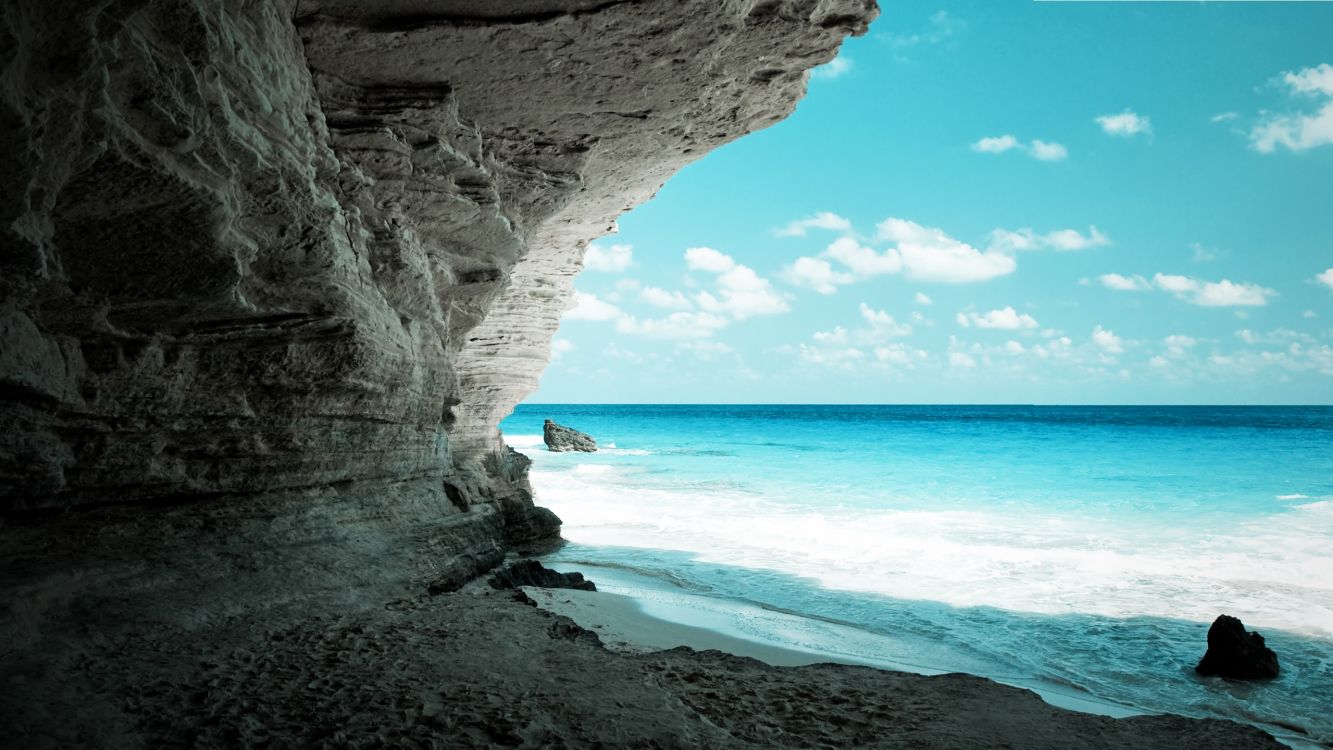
[634, 614]
[326, 645]
[629, 622]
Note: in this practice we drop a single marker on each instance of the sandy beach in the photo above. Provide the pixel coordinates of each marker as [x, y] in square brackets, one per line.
[480, 668]
[645, 620]
[635, 614]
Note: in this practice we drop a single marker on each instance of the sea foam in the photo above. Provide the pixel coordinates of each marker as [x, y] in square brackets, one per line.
[1079, 548]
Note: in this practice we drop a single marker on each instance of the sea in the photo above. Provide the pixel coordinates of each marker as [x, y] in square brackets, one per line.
[1075, 550]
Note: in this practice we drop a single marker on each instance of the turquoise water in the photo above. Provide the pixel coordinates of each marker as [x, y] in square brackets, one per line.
[1080, 547]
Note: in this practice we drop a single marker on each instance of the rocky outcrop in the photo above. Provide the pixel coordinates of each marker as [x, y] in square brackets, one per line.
[1233, 652]
[533, 573]
[561, 439]
[306, 247]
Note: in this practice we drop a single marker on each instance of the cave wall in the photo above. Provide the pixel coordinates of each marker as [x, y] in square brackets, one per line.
[313, 251]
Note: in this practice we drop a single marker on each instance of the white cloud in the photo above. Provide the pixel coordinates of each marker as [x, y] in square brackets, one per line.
[1124, 283]
[1006, 319]
[1295, 132]
[942, 27]
[1007, 240]
[928, 254]
[1309, 314]
[673, 300]
[708, 259]
[1224, 293]
[815, 274]
[612, 259]
[1037, 149]
[920, 253]
[678, 325]
[1126, 124]
[837, 336]
[1107, 340]
[883, 324]
[1056, 348]
[1296, 357]
[742, 293]
[995, 144]
[1203, 254]
[1281, 336]
[739, 293]
[1299, 131]
[880, 327]
[1069, 239]
[1177, 345]
[835, 68]
[1044, 151]
[922, 299]
[860, 261]
[1224, 117]
[900, 355]
[560, 347]
[1325, 278]
[1316, 80]
[863, 261]
[706, 350]
[1177, 284]
[589, 307]
[838, 357]
[822, 220]
[959, 359]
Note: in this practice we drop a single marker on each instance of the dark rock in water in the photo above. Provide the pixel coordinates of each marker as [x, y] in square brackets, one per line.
[533, 573]
[1234, 653]
[562, 439]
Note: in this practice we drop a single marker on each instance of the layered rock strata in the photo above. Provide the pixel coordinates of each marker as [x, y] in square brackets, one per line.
[318, 248]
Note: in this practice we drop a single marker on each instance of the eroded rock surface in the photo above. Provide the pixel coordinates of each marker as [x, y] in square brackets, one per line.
[533, 573]
[561, 439]
[306, 246]
[271, 273]
[1233, 652]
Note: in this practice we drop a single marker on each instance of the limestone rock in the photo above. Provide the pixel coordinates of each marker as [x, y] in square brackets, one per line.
[561, 439]
[254, 249]
[533, 573]
[271, 274]
[1235, 653]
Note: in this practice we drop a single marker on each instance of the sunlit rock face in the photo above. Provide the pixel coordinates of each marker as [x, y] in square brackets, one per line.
[318, 249]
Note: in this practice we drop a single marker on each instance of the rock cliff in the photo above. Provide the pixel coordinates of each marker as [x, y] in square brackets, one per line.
[310, 252]
[271, 272]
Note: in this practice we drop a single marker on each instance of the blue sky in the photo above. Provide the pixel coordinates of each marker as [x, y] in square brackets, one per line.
[994, 202]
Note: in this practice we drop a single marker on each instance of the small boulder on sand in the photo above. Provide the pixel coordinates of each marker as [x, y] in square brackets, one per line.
[563, 439]
[1234, 653]
[533, 573]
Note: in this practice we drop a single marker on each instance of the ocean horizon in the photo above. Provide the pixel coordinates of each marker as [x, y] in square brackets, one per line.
[1067, 548]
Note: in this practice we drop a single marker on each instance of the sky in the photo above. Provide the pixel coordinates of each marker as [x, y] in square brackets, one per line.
[994, 201]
